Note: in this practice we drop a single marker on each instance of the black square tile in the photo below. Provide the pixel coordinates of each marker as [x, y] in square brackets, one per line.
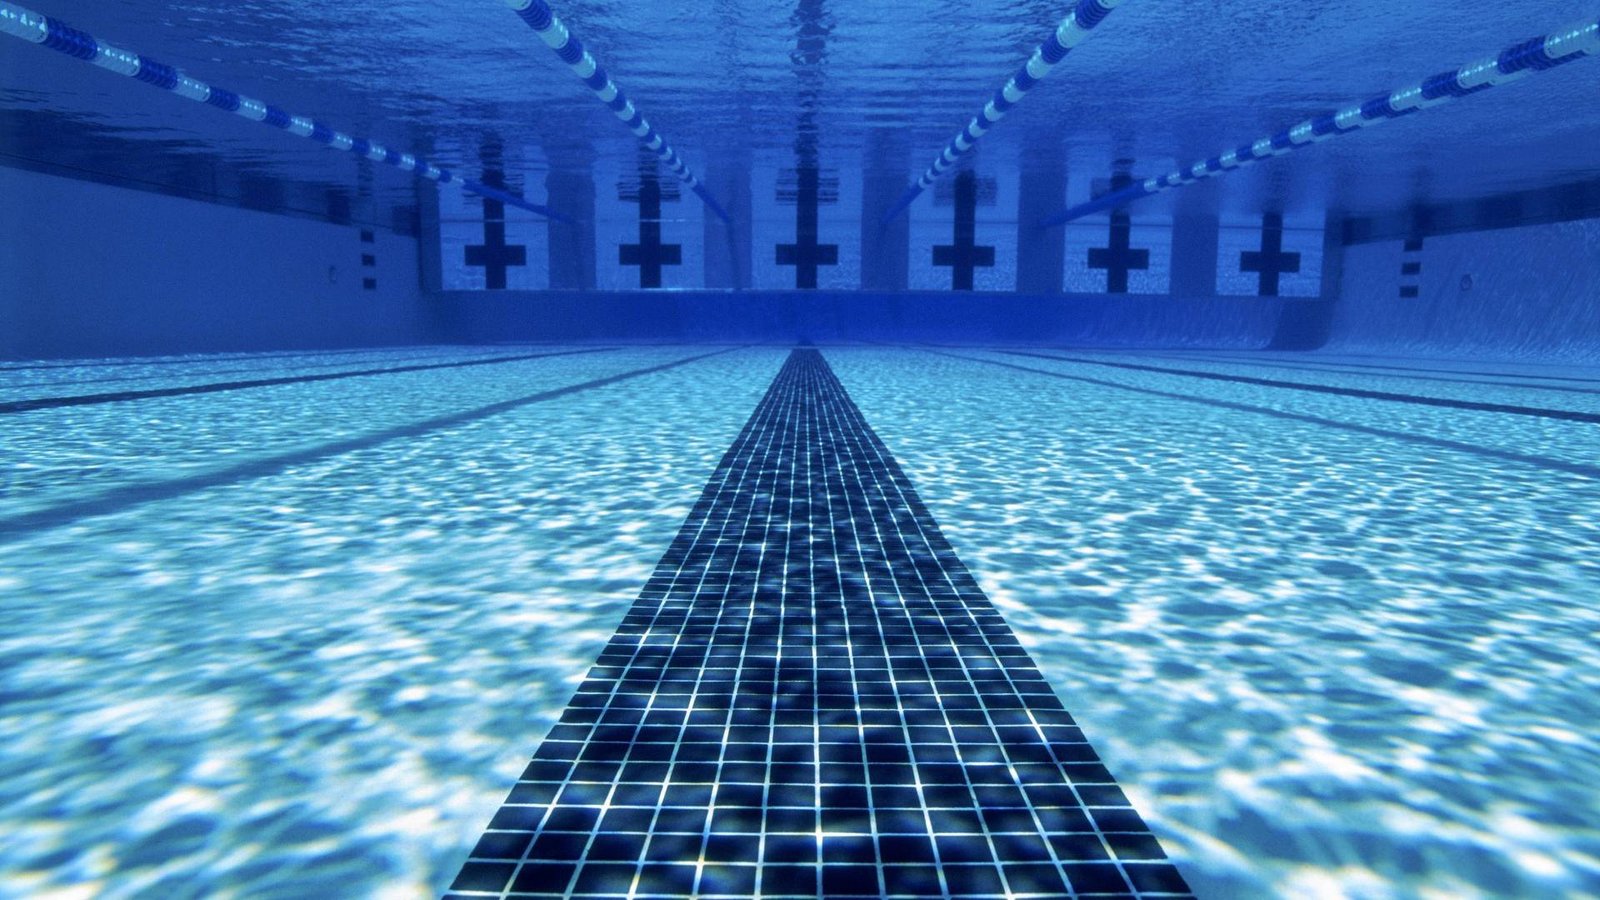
[791, 849]
[848, 849]
[733, 848]
[728, 881]
[1095, 878]
[1103, 795]
[572, 818]
[914, 881]
[627, 818]
[682, 821]
[483, 876]
[1021, 847]
[905, 849]
[1115, 819]
[616, 847]
[1156, 878]
[533, 792]
[658, 878]
[558, 847]
[605, 878]
[535, 878]
[746, 795]
[955, 821]
[518, 818]
[664, 848]
[789, 879]
[1135, 846]
[973, 880]
[1035, 879]
[502, 845]
[1000, 820]
[846, 821]
[791, 820]
[736, 821]
[840, 879]
[964, 849]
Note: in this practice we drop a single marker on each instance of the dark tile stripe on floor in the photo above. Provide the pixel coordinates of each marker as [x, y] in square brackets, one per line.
[124, 497]
[201, 358]
[255, 369]
[1566, 415]
[17, 406]
[1442, 376]
[1582, 470]
[813, 697]
[1419, 365]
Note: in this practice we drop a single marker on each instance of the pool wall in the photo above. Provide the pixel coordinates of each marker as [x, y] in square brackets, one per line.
[97, 270]
[78, 273]
[824, 316]
[1504, 293]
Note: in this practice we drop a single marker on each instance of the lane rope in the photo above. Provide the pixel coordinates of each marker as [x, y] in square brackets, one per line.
[555, 35]
[20, 22]
[1072, 31]
[1512, 64]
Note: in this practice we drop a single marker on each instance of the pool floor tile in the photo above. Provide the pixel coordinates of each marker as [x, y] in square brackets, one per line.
[813, 697]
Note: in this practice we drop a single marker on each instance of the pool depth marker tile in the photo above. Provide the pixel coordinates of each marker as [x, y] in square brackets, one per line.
[812, 696]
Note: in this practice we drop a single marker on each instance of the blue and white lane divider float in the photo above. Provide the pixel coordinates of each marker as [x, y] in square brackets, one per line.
[30, 26]
[566, 45]
[1072, 31]
[1515, 62]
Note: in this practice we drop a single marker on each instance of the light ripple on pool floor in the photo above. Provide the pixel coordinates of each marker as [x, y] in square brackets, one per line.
[1323, 664]
[55, 455]
[322, 683]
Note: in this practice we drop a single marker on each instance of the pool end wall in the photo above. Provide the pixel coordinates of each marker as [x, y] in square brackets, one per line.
[99, 270]
[1520, 293]
[890, 317]
[89, 269]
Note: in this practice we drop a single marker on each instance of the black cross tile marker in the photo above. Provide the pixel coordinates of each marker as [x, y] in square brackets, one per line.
[806, 254]
[650, 254]
[1270, 262]
[963, 255]
[494, 255]
[1120, 257]
[813, 697]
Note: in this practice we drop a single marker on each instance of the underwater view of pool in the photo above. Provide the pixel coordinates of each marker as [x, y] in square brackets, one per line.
[301, 639]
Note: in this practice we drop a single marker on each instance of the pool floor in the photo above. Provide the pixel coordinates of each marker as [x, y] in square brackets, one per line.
[295, 624]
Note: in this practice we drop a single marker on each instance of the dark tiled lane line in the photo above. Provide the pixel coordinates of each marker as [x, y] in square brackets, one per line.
[19, 406]
[1529, 459]
[1336, 362]
[121, 498]
[482, 353]
[203, 359]
[813, 697]
[1438, 376]
[1268, 359]
[1567, 415]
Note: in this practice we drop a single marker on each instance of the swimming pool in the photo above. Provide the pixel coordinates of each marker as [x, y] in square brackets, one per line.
[799, 449]
[309, 657]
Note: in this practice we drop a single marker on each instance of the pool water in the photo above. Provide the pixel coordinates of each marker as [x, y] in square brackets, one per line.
[295, 639]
